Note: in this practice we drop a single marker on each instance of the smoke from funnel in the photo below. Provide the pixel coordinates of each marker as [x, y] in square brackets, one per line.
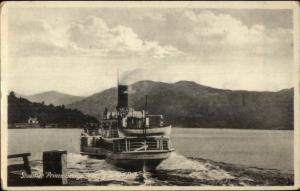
[131, 76]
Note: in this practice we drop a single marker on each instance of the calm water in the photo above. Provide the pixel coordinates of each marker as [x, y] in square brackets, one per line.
[258, 148]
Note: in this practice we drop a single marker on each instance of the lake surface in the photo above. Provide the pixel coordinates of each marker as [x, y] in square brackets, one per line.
[271, 149]
[260, 148]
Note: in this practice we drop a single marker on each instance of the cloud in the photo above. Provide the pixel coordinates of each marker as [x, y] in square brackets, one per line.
[150, 15]
[213, 48]
[205, 33]
[225, 33]
[169, 33]
[90, 36]
[39, 38]
[94, 34]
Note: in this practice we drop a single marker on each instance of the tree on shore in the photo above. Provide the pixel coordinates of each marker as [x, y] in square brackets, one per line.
[20, 109]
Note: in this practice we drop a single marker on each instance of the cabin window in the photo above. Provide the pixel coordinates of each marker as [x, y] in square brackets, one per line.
[134, 122]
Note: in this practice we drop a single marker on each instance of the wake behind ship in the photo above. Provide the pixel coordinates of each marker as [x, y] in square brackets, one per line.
[127, 138]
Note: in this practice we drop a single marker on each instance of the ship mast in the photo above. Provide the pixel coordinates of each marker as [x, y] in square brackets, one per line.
[145, 119]
[117, 78]
[146, 105]
[117, 90]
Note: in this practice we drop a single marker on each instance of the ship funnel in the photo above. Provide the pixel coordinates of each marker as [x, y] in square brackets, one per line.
[122, 96]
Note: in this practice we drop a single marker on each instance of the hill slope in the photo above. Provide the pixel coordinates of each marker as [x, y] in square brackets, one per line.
[192, 105]
[20, 109]
[53, 97]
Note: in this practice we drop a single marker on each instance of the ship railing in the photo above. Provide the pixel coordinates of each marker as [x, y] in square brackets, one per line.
[135, 145]
[151, 126]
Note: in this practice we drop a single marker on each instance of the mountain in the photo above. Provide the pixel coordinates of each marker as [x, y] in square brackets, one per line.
[53, 97]
[189, 104]
[21, 109]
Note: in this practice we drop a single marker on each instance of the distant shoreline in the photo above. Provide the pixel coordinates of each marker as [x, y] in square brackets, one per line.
[172, 128]
[231, 128]
[49, 128]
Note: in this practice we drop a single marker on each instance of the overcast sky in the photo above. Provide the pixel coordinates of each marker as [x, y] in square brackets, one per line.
[78, 50]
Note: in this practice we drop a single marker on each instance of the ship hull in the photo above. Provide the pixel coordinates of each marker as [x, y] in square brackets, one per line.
[133, 161]
[137, 160]
[94, 152]
[136, 165]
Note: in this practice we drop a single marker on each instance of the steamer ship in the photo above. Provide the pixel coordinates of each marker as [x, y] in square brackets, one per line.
[129, 139]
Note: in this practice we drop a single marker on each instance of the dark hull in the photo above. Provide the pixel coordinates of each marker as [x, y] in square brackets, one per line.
[133, 161]
[147, 160]
[136, 165]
